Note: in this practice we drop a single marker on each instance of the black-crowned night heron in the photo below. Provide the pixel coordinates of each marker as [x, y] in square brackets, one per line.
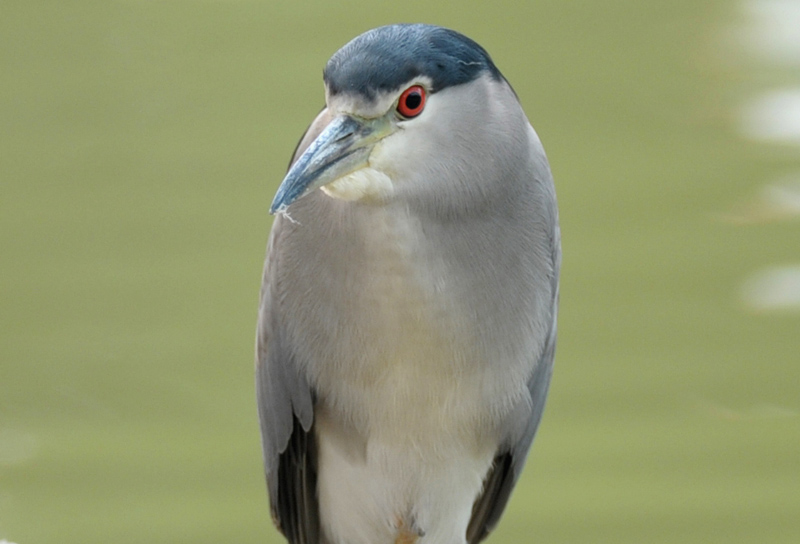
[408, 311]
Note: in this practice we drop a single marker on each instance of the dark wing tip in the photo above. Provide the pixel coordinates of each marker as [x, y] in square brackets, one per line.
[490, 504]
[295, 510]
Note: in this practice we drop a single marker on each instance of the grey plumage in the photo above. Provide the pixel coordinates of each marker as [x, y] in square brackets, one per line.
[407, 321]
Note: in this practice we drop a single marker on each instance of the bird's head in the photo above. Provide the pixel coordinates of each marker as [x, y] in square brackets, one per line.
[411, 111]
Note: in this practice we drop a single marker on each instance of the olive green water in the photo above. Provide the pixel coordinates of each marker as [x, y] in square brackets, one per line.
[140, 146]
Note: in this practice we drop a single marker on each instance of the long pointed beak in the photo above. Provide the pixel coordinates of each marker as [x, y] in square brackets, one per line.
[342, 148]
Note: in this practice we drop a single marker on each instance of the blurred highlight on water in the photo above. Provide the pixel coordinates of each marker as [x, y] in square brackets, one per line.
[773, 117]
[771, 30]
[773, 289]
[771, 36]
[777, 201]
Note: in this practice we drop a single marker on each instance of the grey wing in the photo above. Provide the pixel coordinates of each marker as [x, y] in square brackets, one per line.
[286, 403]
[509, 462]
[507, 466]
[286, 415]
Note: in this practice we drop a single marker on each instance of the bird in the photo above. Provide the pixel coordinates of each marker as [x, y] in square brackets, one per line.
[407, 315]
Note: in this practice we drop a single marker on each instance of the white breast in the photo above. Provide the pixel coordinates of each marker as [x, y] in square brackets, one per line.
[404, 428]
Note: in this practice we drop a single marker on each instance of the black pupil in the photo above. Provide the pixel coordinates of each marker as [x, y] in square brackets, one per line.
[413, 100]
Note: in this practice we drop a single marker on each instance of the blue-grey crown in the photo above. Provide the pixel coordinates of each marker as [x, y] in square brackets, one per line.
[387, 57]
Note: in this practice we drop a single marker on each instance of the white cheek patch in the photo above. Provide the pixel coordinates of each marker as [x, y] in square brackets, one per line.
[365, 184]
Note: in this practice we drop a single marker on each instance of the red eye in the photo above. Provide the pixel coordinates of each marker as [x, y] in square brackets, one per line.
[411, 102]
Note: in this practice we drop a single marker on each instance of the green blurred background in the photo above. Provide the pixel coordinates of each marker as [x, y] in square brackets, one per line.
[141, 143]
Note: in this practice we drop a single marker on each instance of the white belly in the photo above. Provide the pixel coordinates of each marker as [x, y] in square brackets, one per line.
[417, 469]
